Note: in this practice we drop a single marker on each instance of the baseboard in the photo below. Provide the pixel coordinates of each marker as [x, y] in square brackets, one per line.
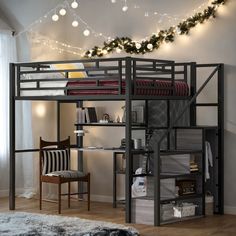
[231, 210]
[22, 192]
[100, 198]
[4, 193]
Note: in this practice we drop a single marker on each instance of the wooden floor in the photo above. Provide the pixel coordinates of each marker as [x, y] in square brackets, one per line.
[207, 226]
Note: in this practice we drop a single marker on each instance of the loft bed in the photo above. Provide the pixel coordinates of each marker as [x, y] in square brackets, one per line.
[126, 79]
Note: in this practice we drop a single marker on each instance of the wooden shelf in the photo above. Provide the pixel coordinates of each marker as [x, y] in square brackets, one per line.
[110, 124]
[182, 198]
[141, 151]
[181, 151]
[173, 175]
[175, 220]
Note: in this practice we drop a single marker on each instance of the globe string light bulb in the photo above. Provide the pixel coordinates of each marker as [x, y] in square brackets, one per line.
[118, 50]
[75, 23]
[62, 12]
[113, 1]
[150, 46]
[74, 4]
[86, 32]
[125, 7]
[138, 45]
[55, 17]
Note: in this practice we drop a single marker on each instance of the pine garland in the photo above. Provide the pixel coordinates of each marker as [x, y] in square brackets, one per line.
[127, 45]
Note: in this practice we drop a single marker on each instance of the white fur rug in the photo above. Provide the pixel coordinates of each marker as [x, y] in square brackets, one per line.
[21, 223]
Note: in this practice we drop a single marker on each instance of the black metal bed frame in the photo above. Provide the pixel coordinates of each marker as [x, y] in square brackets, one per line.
[119, 69]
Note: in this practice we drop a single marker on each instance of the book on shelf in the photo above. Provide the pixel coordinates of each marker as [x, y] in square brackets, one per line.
[140, 113]
[86, 115]
[90, 115]
[80, 115]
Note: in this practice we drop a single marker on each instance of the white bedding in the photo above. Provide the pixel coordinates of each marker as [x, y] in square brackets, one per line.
[46, 84]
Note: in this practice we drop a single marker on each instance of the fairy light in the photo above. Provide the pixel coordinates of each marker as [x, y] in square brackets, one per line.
[75, 23]
[55, 17]
[86, 32]
[138, 45]
[62, 12]
[125, 7]
[74, 4]
[118, 50]
[150, 46]
[56, 45]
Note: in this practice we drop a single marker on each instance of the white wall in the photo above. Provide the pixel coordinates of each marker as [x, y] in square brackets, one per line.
[210, 42]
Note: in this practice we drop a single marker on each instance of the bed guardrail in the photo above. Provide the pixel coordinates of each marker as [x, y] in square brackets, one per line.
[40, 76]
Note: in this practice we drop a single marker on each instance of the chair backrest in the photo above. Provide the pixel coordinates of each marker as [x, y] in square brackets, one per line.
[54, 156]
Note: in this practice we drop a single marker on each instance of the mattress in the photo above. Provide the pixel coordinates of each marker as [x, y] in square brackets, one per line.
[143, 87]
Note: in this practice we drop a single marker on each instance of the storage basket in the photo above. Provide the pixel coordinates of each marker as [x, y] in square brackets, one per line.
[184, 210]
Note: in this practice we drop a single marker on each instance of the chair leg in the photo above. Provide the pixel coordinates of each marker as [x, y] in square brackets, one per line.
[59, 198]
[68, 194]
[40, 195]
[88, 190]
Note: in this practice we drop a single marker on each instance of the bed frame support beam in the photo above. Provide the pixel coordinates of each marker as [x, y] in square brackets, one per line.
[128, 137]
[12, 137]
[220, 78]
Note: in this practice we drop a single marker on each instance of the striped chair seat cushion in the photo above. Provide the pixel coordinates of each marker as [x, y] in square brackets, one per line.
[55, 160]
[67, 174]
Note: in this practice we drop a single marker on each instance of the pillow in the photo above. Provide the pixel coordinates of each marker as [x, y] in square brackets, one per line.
[41, 76]
[55, 160]
[69, 66]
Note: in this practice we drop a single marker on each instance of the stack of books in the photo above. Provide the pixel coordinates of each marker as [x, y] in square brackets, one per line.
[86, 115]
[193, 166]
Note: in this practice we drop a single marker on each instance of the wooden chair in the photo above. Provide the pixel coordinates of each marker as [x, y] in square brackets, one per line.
[54, 168]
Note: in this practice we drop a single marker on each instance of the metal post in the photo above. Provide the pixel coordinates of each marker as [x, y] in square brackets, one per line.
[114, 179]
[193, 90]
[12, 137]
[168, 117]
[79, 144]
[157, 188]
[203, 156]
[128, 124]
[221, 137]
[58, 121]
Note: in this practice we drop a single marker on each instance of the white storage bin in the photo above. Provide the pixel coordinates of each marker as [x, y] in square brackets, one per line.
[185, 210]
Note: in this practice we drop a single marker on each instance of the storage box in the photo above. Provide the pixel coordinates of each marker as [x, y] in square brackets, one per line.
[209, 208]
[168, 189]
[185, 210]
[143, 211]
[177, 164]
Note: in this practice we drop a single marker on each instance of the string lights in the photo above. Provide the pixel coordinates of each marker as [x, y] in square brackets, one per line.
[154, 42]
[123, 44]
[60, 47]
[161, 16]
